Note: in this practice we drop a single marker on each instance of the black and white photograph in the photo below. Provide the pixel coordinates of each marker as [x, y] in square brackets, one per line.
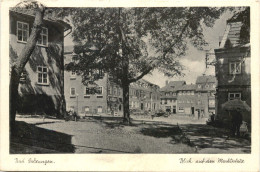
[129, 80]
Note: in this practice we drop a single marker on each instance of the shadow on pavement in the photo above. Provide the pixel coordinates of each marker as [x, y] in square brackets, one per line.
[29, 138]
[205, 136]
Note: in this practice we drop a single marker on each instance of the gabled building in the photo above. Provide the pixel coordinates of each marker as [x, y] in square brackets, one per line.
[144, 96]
[205, 91]
[179, 98]
[233, 69]
[169, 96]
[41, 87]
[187, 100]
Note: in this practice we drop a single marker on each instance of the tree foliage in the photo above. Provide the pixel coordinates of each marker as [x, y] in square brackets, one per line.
[129, 43]
[148, 38]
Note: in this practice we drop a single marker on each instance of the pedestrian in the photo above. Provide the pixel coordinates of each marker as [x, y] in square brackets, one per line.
[212, 117]
[236, 119]
[75, 116]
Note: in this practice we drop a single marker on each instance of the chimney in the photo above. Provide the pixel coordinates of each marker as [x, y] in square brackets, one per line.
[166, 82]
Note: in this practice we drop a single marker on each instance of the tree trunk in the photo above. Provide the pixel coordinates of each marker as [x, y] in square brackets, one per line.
[126, 103]
[20, 63]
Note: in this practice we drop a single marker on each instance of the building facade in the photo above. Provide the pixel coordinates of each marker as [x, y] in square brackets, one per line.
[169, 96]
[41, 88]
[205, 91]
[179, 98]
[233, 71]
[187, 99]
[143, 95]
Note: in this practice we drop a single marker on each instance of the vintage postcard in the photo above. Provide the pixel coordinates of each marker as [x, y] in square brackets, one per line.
[106, 85]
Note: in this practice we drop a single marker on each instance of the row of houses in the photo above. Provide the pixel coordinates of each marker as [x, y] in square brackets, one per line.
[192, 99]
[45, 87]
[143, 95]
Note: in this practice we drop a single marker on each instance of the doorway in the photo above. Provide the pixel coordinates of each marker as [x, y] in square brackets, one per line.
[192, 110]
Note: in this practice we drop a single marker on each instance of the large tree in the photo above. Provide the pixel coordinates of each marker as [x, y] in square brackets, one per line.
[19, 63]
[129, 43]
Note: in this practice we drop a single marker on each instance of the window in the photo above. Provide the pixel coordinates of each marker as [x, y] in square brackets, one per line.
[188, 92]
[115, 90]
[73, 91]
[180, 93]
[214, 85]
[165, 102]
[234, 68]
[99, 90]
[211, 102]
[99, 109]
[42, 75]
[199, 86]
[206, 86]
[199, 102]
[43, 38]
[100, 73]
[181, 109]
[174, 94]
[192, 93]
[86, 109]
[73, 74]
[22, 31]
[87, 91]
[167, 94]
[184, 92]
[118, 91]
[232, 96]
[111, 90]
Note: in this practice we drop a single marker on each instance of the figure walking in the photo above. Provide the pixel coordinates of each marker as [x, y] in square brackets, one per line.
[236, 119]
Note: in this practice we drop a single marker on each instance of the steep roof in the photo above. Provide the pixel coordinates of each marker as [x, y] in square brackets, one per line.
[232, 35]
[206, 79]
[188, 87]
[47, 17]
[173, 86]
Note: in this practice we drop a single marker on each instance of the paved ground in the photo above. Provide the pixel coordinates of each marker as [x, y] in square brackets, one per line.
[146, 135]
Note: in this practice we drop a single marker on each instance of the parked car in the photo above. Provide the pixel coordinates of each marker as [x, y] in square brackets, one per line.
[160, 113]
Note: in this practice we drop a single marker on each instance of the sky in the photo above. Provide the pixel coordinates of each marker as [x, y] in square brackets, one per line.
[194, 61]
